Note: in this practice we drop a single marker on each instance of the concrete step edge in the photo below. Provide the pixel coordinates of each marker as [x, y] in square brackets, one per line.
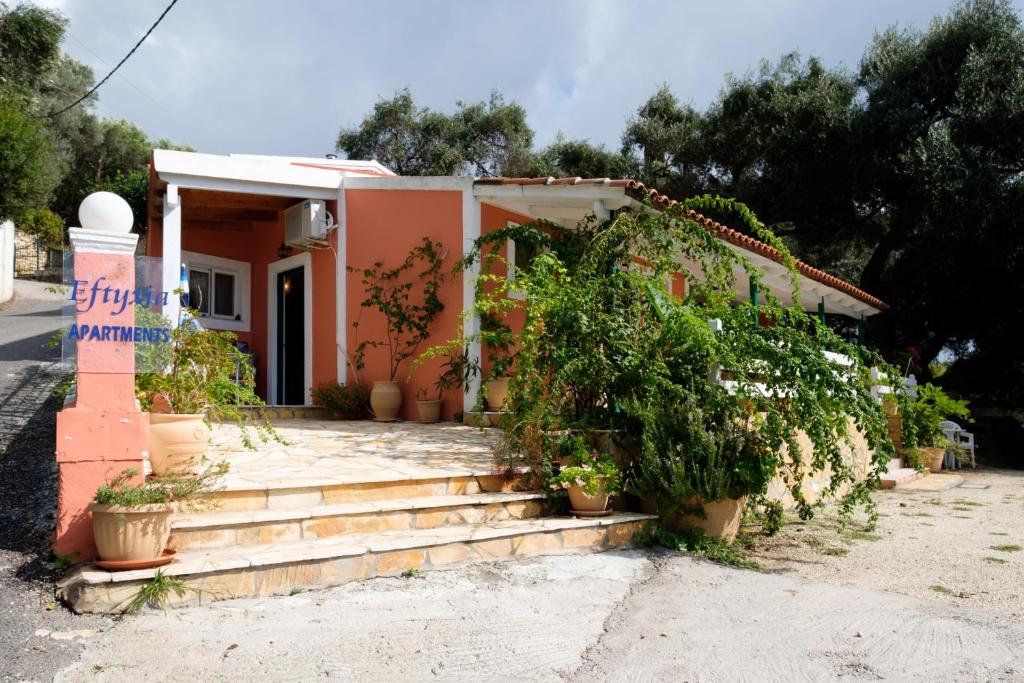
[196, 562]
[215, 519]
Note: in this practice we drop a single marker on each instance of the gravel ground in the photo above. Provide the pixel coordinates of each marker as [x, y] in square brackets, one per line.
[940, 547]
[28, 485]
[620, 615]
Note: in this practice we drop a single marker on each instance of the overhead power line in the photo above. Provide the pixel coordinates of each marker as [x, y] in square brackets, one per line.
[96, 87]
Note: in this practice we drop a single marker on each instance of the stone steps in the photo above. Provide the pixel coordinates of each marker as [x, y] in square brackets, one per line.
[284, 567]
[899, 476]
[217, 529]
[293, 494]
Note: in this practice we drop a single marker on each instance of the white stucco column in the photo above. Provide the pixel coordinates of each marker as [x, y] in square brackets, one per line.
[340, 287]
[171, 267]
[471, 325]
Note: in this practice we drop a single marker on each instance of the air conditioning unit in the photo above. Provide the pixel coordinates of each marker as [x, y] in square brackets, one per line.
[305, 222]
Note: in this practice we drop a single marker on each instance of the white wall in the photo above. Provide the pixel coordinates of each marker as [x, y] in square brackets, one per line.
[6, 260]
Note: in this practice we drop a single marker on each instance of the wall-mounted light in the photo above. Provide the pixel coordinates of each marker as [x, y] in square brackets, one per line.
[283, 251]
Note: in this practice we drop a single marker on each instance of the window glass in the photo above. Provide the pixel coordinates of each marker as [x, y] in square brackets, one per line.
[525, 253]
[199, 290]
[224, 294]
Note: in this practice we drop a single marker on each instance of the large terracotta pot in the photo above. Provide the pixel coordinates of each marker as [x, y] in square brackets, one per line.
[385, 401]
[721, 520]
[581, 502]
[430, 411]
[130, 533]
[177, 443]
[497, 393]
[932, 457]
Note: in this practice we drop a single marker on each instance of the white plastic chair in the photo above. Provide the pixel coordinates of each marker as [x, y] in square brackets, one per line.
[958, 437]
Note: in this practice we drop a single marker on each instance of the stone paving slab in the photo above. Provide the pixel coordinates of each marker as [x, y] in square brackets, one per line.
[325, 453]
[933, 483]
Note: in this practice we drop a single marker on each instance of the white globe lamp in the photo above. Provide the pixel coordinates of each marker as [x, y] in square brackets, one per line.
[107, 212]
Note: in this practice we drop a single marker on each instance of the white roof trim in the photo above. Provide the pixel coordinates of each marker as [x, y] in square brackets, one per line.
[257, 175]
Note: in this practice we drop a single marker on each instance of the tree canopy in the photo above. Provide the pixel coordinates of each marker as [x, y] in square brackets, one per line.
[53, 162]
[483, 138]
[902, 174]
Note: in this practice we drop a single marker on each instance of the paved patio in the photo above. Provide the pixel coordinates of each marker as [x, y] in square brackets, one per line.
[326, 452]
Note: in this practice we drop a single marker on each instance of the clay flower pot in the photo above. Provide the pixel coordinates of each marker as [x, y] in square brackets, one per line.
[385, 401]
[581, 502]
[497, 393]
[130, 533]
[177, 443]
[932, 457]
[721, 520]
[430, 411]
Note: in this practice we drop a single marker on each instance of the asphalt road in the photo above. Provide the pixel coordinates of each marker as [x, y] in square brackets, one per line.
[28, 485]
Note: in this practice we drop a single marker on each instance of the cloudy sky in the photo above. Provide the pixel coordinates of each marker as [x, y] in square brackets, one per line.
[281, 77]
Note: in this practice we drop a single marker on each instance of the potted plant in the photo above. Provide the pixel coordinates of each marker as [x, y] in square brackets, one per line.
[922, 424]
[131, 519]
[406, 322]
[699, 463]
[591, 478]
[207, 379]
[452, 378]
[429, 408]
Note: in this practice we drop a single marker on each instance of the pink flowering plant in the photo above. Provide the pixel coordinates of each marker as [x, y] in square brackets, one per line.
[592, 470]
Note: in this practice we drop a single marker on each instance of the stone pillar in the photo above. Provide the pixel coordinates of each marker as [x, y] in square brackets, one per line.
[101, 431]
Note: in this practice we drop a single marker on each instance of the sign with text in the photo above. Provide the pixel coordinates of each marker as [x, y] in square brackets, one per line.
[115, 313]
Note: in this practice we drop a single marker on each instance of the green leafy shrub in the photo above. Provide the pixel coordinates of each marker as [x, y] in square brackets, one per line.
[343, 401]
[606, 344]
[389, 292]
[773, 516]
[45, 224]
[121, 492]
[923, 415]
[201, 379]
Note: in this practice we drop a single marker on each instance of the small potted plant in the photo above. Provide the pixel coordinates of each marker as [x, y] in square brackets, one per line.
[131, 518]
[207, 379]
[429, 408]
[451, 378]
[406, 322]
[591, 478]
[922, 424]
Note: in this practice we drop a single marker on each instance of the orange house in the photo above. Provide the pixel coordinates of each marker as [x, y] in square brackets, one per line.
[267, 243]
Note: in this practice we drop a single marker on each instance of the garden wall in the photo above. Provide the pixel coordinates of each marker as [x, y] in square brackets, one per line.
[6, 260]
[857, 454]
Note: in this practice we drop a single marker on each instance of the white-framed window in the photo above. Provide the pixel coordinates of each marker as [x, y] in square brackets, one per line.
[219, 288]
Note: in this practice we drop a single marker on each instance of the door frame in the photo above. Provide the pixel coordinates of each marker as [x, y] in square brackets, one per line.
[304, 261]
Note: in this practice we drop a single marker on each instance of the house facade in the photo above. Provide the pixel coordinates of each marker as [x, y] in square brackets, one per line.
[234, 224]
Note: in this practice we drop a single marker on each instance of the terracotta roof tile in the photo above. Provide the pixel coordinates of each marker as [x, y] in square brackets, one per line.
[637, 189]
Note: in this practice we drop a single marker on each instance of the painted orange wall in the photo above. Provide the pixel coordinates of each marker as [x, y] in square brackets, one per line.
[258, 247]
[384, 225]
[494, 218]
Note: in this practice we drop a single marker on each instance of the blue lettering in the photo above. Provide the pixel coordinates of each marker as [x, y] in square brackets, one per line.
[126, 333]
[94, 333]
[78, 291]
[73, 332]
[122, 298]
[95, 290]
